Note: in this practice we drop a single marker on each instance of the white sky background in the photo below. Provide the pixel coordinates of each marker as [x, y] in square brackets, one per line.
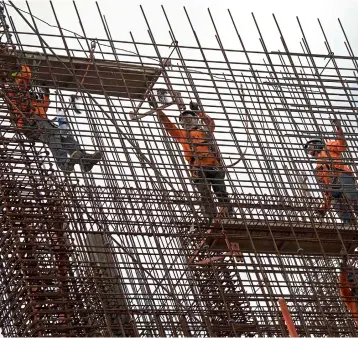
[124, 16]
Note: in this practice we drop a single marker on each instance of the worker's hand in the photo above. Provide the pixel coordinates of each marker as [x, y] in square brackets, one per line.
[344, 262]
[46, 90]
[152, 101]
[336, 123]
[194, 105]
[320, 212]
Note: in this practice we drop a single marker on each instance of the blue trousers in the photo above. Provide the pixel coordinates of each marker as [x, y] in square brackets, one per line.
[345, 197]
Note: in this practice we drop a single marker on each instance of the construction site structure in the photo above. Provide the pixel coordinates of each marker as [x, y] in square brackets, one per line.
[125, 250]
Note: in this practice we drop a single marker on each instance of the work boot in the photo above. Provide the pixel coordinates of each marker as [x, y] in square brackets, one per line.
[69, 165]
[89, 161]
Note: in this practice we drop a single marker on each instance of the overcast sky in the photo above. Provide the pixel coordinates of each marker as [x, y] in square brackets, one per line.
[124, 16]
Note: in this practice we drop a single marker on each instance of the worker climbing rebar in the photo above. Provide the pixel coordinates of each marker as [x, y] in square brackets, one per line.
[206, 167]
[334, 176]
[348, 287]
[29, 114]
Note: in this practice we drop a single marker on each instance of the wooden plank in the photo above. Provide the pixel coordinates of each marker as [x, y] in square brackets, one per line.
[288, 237]
[119, 79]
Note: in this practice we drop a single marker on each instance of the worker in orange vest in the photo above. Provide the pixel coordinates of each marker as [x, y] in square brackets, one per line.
[335, 176]
[200, 152]
[348, 288]
[29, 113]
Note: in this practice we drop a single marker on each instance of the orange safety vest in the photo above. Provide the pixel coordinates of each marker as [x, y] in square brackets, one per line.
[21, 99]
[330, 165]
[196, 143]
[329, 162]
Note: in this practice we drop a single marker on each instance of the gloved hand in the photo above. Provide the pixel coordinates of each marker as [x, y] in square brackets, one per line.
[336, 123]
[196, 173]
[45, 89]
[152, 102]
[194, 105]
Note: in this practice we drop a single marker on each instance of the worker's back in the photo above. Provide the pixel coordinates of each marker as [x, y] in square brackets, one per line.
[24, 104]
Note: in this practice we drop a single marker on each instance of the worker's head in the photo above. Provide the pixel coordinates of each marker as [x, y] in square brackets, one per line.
[21, 71]
[314, 147]
[189, 119]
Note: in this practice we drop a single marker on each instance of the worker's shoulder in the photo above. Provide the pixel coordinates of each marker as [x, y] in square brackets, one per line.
[333, 142]
[204, 115]
[336, 146]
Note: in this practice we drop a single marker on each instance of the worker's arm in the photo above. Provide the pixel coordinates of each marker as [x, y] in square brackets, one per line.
[327, 202]
[339, 145]
[344, 289]
[44, 102]
[170, 127]
[207, 120]
[46, 98]
[346, 294]
[26, 72]
[323, 181]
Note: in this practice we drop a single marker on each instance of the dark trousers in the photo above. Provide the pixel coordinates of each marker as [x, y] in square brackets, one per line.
[204, 179]
[60, 145]
[345, 197]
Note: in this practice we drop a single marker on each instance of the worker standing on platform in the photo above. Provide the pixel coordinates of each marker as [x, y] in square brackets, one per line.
[334, 176]
[28, 112]
[348, 288]
[200, 152]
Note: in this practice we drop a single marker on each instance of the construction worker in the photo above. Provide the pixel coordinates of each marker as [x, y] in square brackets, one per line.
[28, 112]
[200, 152]
[334, 176]
[348, 288]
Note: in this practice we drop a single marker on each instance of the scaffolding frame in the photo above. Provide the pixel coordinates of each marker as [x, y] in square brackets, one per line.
[111, 251]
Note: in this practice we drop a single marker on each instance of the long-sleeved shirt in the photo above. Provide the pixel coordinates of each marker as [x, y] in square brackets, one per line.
[22, 102]
[197, 144]
[330, 165]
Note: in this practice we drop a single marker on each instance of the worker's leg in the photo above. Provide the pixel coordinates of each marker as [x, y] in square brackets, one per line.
[69, 143]
[50, 135]
[343, 210]
[202, 185]
[346, 205]
[217, 180]
[86, 160]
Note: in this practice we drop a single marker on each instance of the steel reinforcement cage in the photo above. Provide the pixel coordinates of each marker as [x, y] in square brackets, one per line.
[124, 250]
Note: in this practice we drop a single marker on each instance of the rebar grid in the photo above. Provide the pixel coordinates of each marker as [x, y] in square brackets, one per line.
[109, 253]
